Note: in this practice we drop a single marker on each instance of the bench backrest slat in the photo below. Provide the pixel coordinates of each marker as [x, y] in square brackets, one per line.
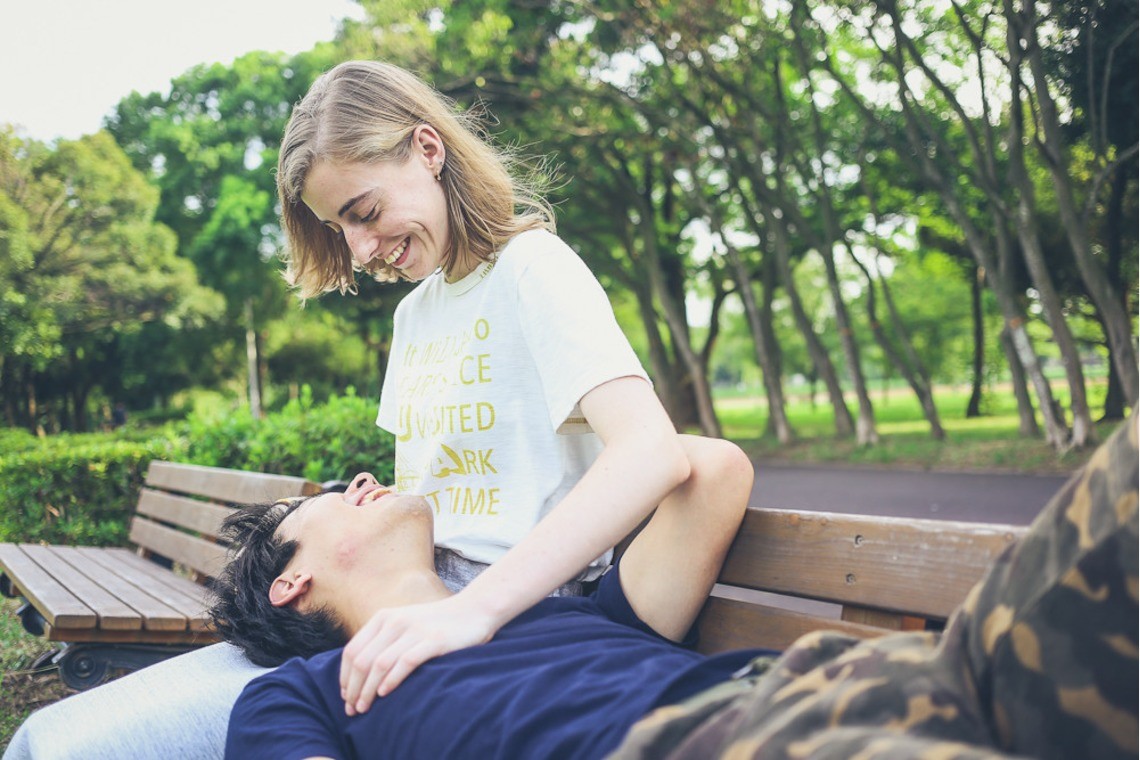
[198, 516]
[195, 553]
[914, 567]
[734, 624]
[226, 486]
[181, 508]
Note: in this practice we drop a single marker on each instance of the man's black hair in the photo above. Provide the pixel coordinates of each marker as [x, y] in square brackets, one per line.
[242, 613]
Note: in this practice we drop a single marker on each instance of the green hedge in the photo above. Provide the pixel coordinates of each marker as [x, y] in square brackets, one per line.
[330, 441]
[81, 489]
[75, 492]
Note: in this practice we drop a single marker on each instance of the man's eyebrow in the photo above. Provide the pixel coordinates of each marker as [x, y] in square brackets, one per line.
[351, 202]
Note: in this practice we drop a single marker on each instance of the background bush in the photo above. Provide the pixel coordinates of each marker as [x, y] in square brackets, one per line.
[82, 489]
[329, 441]
[75, 489]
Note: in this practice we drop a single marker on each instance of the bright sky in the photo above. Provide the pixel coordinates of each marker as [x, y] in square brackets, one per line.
[64, 64]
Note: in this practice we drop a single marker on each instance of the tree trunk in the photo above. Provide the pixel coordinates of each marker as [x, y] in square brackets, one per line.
[253, 366]
[844, 424]
[945, 181]
[763, 340]
[770, 280]
[773, 384]
[79, 394]
[665, 383]
[1114, 400]
[1027, 233]
[1027, 422]
[34, 423]
[914, 375]
[9, 409]
[679, 329]
[974, 407]
[865, 433]
[1118, 327]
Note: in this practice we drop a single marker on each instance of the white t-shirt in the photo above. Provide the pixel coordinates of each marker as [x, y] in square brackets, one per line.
[482, 391]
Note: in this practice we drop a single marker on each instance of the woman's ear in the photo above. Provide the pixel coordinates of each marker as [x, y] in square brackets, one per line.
[429, 144]
[289, 587]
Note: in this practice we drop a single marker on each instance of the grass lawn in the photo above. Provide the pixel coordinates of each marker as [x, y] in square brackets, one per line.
[990, 443]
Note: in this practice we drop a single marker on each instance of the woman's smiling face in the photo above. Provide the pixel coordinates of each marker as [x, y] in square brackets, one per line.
[395, 211]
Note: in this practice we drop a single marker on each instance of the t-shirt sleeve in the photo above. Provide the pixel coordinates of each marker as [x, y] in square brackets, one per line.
[613, 603]
[570, 329]
[280, 715]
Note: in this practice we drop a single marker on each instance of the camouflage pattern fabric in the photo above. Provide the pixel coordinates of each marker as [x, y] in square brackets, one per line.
[1039, 661]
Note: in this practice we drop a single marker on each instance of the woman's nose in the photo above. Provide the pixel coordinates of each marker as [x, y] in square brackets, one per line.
[360, 482]
[360, 243]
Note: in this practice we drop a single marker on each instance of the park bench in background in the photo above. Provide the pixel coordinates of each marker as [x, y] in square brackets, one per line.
[791, 572]
[116, 608]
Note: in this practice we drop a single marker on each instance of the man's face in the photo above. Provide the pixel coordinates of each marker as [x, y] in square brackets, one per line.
[340, 534]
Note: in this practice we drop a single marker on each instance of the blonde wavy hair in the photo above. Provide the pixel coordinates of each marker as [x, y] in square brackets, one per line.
[366, 112]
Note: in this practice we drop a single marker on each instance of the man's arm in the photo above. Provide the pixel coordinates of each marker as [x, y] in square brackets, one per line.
[670, 566]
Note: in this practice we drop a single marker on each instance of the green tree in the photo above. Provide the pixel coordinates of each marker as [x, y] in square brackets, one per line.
[209, 145]
[87, 267]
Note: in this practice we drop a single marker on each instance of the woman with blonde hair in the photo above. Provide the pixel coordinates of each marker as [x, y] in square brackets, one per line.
[519, 408]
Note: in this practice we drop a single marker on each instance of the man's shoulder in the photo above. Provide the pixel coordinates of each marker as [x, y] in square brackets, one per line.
[299, 674]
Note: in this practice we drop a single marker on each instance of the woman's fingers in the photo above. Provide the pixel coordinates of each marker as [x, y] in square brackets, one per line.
[362, 656]
[394, 642]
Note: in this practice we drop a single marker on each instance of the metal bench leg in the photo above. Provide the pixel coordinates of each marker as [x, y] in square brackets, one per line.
[83, 666]
[31, 619]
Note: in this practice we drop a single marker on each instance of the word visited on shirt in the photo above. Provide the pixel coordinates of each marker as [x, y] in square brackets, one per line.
[446, 419]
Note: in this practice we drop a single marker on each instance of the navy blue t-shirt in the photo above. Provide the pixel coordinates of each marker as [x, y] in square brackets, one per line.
[565, 679]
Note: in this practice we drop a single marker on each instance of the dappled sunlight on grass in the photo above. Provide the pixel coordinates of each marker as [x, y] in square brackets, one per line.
[989, 442]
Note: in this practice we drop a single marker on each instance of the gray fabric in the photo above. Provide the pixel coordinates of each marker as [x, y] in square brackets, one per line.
[179, 708]
[457, 571]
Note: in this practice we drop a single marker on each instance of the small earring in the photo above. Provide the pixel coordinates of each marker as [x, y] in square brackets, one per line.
[439, 174]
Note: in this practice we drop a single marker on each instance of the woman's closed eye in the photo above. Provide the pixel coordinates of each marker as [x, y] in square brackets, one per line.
[371, 216]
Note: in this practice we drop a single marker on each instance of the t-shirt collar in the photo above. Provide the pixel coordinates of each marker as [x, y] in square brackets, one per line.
[476, 276]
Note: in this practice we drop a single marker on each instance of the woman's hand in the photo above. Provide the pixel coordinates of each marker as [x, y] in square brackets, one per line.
[394, 642]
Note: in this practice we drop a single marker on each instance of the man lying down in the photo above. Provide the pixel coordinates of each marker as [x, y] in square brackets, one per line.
[1040, 660]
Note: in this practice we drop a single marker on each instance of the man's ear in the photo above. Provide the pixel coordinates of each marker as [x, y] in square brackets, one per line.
[289, 587]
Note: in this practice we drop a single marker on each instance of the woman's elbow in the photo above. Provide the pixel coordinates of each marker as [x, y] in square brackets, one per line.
[723, 467]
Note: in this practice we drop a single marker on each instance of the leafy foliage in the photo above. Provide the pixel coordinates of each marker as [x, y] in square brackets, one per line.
[82, 488]
[75, 489]
[331, 441]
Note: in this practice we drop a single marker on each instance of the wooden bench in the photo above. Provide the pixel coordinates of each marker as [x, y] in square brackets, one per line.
[791, 572]
[787, 573]
[116, 608]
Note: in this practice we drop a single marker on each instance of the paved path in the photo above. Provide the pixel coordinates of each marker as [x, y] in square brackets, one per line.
[1013, 499]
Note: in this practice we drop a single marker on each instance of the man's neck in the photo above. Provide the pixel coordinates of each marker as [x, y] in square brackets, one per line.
[366, 599]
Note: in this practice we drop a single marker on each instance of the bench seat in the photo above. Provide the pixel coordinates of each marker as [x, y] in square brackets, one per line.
[113, 607]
